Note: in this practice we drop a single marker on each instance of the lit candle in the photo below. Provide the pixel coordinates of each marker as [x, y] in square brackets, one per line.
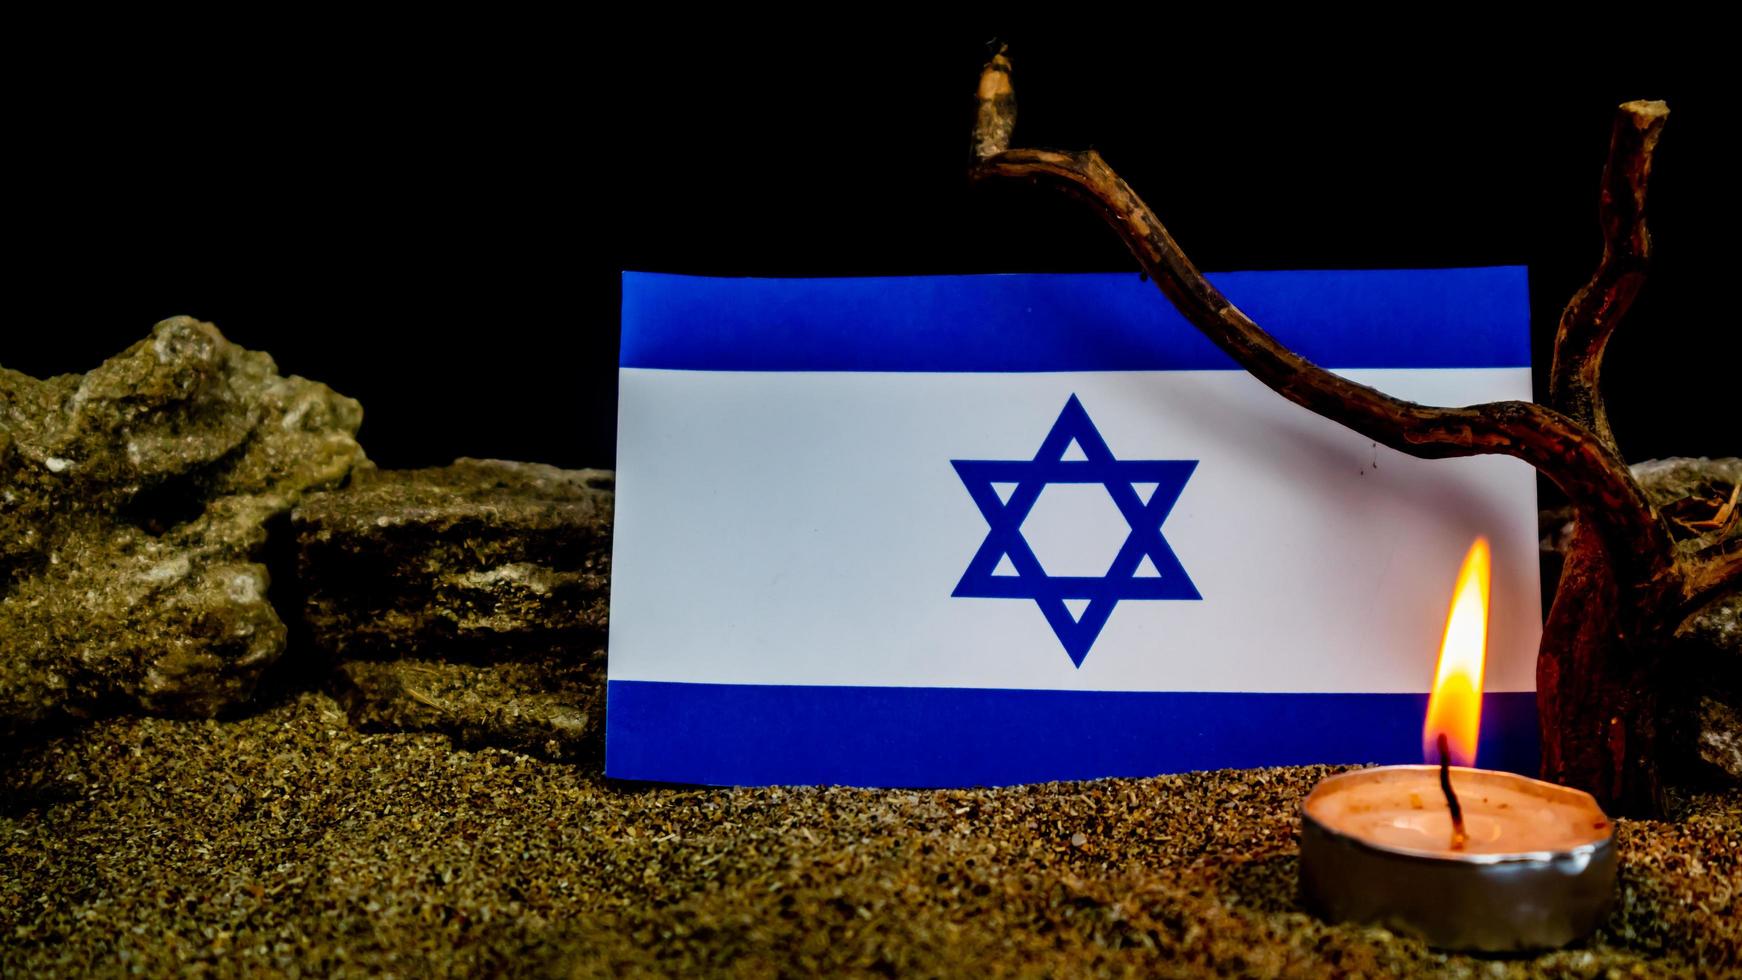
[1463, 858]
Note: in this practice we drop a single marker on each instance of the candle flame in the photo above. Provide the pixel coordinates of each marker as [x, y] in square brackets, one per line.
[1455, 707]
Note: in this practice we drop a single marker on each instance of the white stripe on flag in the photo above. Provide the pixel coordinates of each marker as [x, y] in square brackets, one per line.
[807, 528]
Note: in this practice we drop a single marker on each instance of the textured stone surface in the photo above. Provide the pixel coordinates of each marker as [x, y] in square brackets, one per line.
[1717, 628]
[287, 843]
[1687, 490]
[481, 559]
[1708, 649]
[468, 599]
[1684, 488]
[133, 501]
[1720, 735]
[1709, 646]
[552, 706]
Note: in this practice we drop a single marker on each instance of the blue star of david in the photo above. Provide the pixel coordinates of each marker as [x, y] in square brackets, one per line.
[1004, 538]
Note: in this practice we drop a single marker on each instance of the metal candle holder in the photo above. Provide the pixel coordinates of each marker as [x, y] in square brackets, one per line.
[1454, 900]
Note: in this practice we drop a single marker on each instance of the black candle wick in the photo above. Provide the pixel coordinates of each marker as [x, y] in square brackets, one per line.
[1458, 836]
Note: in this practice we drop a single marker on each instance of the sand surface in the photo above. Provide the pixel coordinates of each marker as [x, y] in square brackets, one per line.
[289, 843]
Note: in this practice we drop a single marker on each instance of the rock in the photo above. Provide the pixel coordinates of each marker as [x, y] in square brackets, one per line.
[470, 599]
[1688, 491]
[1708, 645]
[1683, 488]
[1717, 628]
[1709, 654]
[1675, 478]
[1720, 736]
[1668, 480]
[133, 504]
[552, 707]
[481, 559]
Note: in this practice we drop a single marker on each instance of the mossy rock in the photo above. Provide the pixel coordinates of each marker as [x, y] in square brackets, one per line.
[133, 508]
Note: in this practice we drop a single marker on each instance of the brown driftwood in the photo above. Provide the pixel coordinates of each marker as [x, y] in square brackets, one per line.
[1624, 588]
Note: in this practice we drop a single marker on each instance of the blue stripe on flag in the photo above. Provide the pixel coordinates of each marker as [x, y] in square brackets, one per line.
[751, 734]
[1399, 318]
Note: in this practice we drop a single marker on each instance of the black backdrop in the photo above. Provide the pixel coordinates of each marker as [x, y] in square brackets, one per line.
[432, 217]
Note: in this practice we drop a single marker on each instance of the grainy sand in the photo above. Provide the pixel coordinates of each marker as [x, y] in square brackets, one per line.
[289, 843]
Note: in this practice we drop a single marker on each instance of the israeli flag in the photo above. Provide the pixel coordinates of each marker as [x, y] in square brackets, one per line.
[981, 530]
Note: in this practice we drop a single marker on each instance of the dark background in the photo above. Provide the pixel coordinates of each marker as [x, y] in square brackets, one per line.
[431, 217]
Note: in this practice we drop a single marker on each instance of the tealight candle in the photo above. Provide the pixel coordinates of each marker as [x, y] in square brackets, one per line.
[1464, 858]
[1536, 869]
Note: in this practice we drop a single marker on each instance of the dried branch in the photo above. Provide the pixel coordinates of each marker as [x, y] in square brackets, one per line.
[996, 116]
[1583, 465]
[1594, 311]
